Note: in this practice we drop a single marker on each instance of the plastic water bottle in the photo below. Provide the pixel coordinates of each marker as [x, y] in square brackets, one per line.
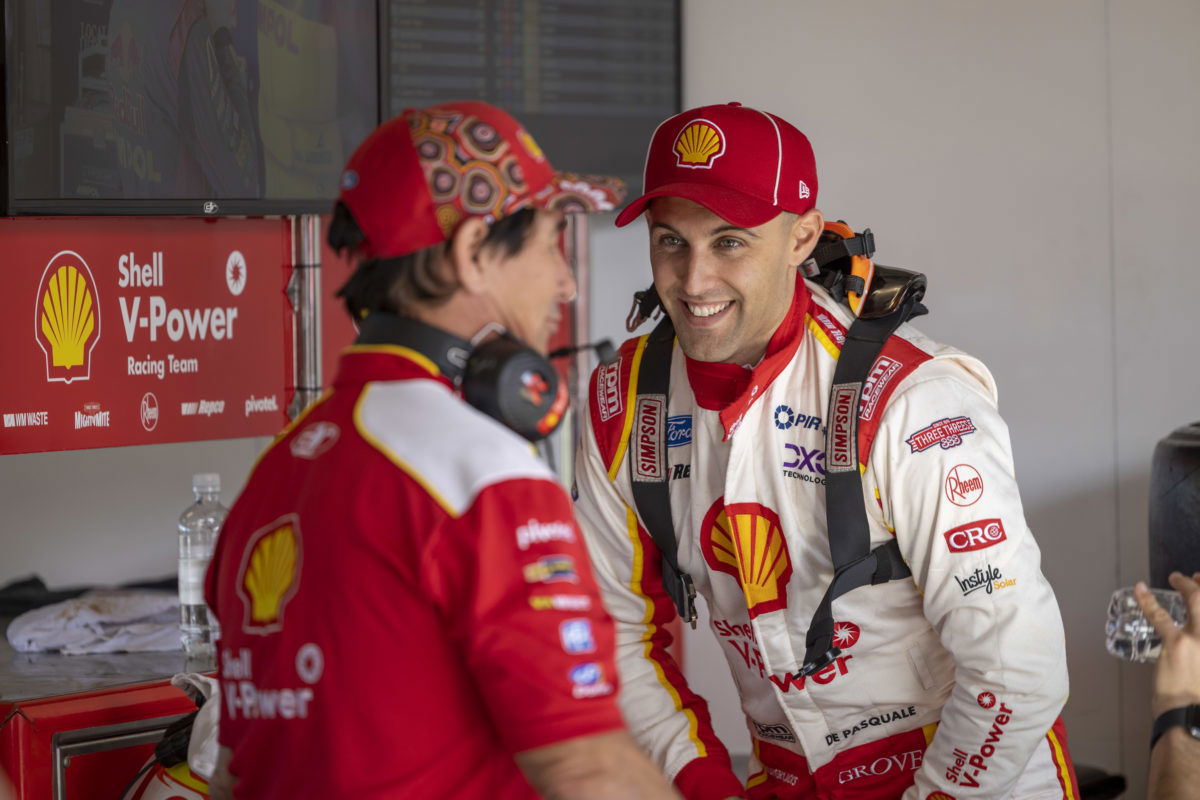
[199, 526]
[1128, 634]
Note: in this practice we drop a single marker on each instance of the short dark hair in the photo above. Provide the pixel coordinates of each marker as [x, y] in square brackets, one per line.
[398, 284]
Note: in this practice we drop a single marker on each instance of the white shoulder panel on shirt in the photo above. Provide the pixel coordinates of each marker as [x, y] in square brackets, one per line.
[447, 446]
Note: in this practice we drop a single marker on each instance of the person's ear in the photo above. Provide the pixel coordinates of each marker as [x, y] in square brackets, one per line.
[467, 255]
[803, 236]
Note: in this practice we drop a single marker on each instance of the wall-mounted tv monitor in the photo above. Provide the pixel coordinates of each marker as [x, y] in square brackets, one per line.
[590, 79]
[185, 106]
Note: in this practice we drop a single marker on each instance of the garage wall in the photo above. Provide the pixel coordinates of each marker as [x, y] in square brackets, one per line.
[1037, 161]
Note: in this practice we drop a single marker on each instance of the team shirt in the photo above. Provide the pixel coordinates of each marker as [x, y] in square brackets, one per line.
[405, 600]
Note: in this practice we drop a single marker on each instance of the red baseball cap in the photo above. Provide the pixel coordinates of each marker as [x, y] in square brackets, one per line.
[416, 176]
[742, 164]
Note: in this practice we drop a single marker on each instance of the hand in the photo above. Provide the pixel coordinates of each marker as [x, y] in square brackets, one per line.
[1177, 678]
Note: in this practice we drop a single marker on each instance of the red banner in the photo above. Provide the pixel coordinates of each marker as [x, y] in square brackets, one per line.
[124, 331]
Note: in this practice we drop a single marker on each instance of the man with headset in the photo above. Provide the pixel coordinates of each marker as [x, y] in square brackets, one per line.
[405, 601]
[942, 681]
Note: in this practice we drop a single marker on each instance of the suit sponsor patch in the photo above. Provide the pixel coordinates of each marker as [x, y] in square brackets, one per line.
[609, 399]
[964, 485]
[881, 375]
[777, 731]
[843, 405]
[679, 430]
[975, 535]
[946, 432]
[647, 440]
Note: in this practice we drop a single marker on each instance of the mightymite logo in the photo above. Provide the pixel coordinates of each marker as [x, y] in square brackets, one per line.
[745, 540]
[270, 574]
[67, 317]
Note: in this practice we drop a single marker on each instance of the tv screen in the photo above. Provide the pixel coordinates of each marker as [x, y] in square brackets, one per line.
[590, 80]
[185, 106]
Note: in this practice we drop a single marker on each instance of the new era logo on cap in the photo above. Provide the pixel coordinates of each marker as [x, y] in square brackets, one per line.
[742, 164]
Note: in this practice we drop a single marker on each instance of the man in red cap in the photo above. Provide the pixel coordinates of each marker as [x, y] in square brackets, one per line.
[942, 684]
[405, 601]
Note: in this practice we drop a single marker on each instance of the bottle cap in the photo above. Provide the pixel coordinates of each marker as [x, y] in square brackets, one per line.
[206, 482]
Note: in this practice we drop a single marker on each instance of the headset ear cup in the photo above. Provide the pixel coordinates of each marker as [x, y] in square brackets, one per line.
[516, 386]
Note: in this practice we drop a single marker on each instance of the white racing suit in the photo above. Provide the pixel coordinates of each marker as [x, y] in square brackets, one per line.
[950, 683]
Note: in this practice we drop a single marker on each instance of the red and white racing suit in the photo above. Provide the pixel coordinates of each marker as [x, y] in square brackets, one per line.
[405, 600]
[949, 685]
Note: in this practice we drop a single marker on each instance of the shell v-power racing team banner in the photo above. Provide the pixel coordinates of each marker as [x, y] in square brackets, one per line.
[125, 331]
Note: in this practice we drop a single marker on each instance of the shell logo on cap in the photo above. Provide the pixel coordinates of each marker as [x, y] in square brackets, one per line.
[699, 145]
[270, 574]
[67, 317]
[745, 540]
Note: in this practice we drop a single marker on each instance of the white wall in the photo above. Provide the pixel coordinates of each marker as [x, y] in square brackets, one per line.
[1037, 160]
[107, 516]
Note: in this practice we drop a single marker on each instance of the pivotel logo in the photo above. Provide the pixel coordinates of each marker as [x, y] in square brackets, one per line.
[947, 432]
[67, 317]
[679, 430]
[649, 460]
[269, 574]
[609, 399]
[843, 406]
[746, 540]
[964, 485]
[538, 532]
[258, 405]
[975, 535]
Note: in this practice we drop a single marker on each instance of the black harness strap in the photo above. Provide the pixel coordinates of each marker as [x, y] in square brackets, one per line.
[648, 464]
[854, 563]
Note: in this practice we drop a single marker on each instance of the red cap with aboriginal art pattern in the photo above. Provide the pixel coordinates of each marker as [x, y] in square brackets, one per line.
[416, 176]
[742, 164]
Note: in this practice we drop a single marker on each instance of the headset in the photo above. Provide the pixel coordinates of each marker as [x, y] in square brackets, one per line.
[502, 377]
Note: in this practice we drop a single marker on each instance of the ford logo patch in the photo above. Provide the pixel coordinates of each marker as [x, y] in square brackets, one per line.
[679, 430]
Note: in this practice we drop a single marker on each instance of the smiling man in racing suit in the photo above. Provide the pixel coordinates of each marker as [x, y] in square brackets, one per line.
[949, 684]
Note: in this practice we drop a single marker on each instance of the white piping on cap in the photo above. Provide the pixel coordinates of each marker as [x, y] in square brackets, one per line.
[778, 156]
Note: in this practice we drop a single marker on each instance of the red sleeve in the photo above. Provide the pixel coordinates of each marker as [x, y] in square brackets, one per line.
[513, 581]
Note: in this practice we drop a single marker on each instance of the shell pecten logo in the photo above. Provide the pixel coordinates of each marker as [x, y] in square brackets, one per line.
[67, 317]
[699, 145]
[270, 574]
[745, 540]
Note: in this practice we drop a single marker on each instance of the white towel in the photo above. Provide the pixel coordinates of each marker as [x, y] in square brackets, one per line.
[101, 621]
[202, 746]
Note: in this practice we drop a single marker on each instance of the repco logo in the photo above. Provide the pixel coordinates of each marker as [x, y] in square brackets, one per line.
[648, 438]
[975, 535]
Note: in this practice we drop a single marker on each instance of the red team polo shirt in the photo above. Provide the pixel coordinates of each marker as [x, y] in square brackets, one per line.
[405, 600]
